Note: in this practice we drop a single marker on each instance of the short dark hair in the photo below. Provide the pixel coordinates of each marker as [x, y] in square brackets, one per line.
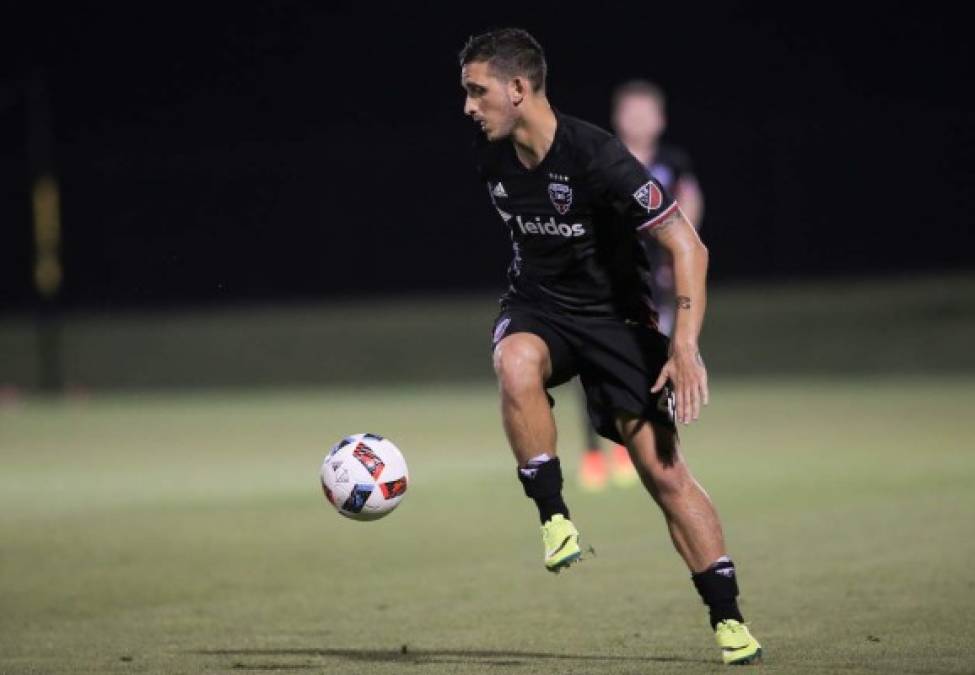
[510, 52]
[639, 88]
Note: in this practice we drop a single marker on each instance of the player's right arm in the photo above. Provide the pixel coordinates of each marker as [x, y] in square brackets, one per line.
[684, 368]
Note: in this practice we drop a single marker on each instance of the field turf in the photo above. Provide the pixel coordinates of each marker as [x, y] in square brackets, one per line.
[187, 533]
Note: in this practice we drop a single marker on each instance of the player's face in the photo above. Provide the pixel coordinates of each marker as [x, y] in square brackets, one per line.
[488, 101]
[639, 119]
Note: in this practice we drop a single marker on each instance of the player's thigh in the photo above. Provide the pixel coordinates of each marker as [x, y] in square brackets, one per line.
[526, 343]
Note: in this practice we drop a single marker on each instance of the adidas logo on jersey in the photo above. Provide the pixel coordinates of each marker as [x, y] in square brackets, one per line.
[550, 227]
[498, 190]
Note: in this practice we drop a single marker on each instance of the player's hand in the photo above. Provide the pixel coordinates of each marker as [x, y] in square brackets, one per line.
[689, 378]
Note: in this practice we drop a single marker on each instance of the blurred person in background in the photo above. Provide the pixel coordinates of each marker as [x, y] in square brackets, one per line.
[639, 118]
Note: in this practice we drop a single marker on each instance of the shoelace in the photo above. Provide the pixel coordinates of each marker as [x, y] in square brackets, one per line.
[735, 629]
[737, 632]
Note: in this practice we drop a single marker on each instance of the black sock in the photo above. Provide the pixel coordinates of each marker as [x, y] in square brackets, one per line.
[543, 483]
[719, 590]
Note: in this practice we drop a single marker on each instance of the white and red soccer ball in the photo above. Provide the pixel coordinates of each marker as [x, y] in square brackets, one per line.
[364, 476]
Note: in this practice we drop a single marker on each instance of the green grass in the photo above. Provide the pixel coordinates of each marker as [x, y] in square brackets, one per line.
[187, 533]
[906, 326]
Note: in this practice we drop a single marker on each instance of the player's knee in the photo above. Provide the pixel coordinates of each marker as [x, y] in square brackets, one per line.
[671, 481]
[519, 365]
[667, 482]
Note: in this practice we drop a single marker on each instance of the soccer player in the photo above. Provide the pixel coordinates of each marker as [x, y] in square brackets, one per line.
[639, 117]
[576, 203]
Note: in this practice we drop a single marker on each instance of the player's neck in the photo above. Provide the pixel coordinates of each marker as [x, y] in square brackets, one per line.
[535, 132]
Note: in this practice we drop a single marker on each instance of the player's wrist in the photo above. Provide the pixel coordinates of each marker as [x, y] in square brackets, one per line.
[683, 346]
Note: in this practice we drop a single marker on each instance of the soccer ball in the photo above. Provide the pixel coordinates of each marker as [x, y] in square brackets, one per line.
[364, 476]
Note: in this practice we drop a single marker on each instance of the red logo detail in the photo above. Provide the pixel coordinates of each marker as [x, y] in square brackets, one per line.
[393, 488]
[369, 459]
[656, 197]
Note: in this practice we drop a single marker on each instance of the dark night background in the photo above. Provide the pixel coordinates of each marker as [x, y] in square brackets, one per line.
[285, 151]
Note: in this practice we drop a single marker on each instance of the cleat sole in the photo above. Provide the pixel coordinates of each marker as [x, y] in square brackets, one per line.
[565, 562]
[748, 660]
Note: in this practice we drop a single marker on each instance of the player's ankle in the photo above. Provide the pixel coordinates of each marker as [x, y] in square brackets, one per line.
[541, 477]
[718, 588]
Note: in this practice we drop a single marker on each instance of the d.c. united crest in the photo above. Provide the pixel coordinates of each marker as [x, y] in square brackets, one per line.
[561, 196]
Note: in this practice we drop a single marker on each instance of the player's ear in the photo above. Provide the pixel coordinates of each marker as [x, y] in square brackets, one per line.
[517, 89]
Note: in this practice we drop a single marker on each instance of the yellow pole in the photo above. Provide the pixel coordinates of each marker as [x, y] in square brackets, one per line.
[45, 202]
[47, 236]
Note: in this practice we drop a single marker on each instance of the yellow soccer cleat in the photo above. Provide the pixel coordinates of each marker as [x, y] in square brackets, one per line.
[561, 540]
[738, 647]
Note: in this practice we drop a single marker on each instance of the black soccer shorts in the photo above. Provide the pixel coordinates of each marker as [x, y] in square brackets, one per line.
[617, 362]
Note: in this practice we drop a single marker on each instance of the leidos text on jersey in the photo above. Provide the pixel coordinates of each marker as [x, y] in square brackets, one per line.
[549, 226]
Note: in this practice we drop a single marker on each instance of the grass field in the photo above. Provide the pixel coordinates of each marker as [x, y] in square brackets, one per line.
[840, 327]
[187, 533]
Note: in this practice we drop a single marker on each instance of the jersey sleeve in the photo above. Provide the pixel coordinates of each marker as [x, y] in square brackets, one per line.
[620, 180]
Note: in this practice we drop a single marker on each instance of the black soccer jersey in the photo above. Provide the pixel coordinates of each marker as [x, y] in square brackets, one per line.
[574, 221]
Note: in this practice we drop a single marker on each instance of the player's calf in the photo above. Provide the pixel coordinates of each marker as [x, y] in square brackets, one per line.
[522, 363]
[695, 530]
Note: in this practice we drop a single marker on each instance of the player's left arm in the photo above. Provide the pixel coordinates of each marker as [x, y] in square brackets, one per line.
[685, 368]
[645, 204]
